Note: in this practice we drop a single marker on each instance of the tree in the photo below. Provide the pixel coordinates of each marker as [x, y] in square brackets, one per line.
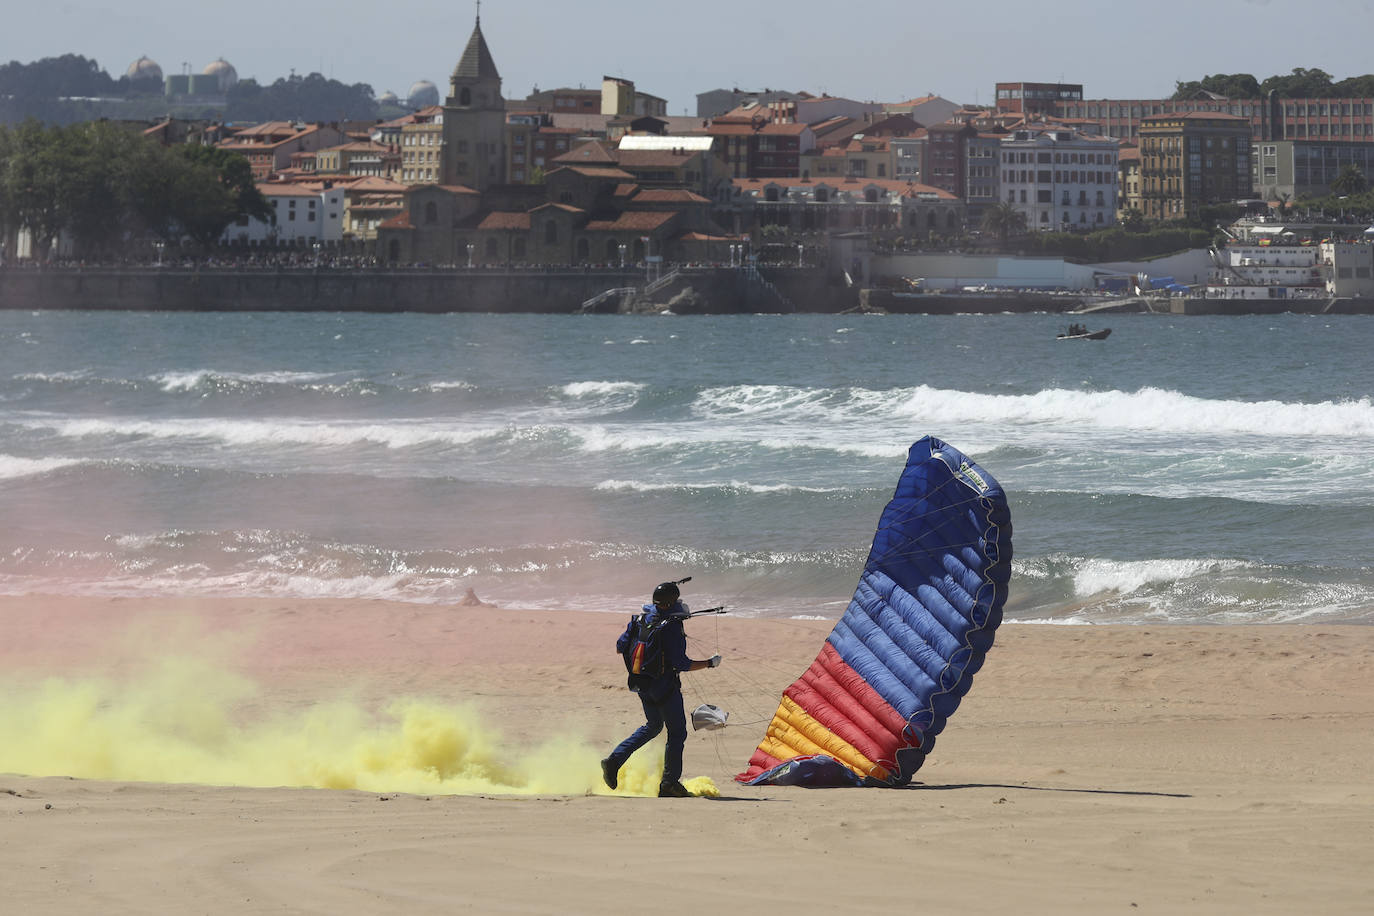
[108, 186]
[52, 77]
[213, 190]
[1300, 84]
[34, 178]
[8, 225]
[95, 196]
[311, 98]
[1350, 181]
[1355, 87]
[1005, 220]
[1133, 220]
[1230, 85]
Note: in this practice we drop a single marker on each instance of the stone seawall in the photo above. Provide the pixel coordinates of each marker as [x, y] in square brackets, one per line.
[402, 290]
[324, 289]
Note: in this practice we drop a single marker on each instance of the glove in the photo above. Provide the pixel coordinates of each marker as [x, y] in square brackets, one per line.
[713, 661]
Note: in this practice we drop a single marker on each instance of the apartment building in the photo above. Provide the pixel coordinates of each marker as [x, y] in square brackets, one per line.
[421, 139]
[908, 156]
[1271, 118]
[762, 149]
[982, 174]
[268, 146]
[1060, 179]
[306, 213]
[946, 156]
[1192, 159]
[1032, 99]
[532, 142]
[1296, 168]
[358, 159]
[861, 157]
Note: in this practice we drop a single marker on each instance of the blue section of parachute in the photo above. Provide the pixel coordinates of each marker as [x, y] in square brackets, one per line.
[930, 597]
[817, 771]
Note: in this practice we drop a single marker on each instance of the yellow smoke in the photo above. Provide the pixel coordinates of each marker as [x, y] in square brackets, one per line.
[191, 721]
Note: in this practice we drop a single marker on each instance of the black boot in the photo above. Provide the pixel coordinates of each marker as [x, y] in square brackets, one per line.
[673, 789]
[610, 772]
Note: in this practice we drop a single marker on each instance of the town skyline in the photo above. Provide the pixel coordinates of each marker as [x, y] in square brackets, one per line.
[806, 51]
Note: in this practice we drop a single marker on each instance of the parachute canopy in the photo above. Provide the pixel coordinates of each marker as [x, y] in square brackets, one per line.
[917, 629]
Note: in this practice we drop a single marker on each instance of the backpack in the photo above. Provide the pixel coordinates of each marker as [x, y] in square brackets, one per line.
[641, 647]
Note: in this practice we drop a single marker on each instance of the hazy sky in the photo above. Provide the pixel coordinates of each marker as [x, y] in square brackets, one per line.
[899, 50]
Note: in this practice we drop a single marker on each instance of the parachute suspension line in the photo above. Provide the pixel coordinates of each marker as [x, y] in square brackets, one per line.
[746, 686]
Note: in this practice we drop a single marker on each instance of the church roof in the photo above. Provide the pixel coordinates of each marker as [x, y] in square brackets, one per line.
[476, 62]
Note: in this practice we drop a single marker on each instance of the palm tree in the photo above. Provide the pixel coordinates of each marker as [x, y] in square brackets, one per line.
[1350, 181]
[1004, 219]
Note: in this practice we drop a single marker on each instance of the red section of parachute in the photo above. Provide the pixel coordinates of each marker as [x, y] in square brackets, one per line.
[834, 694]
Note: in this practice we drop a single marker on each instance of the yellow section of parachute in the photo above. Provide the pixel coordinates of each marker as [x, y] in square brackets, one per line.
[794, 733]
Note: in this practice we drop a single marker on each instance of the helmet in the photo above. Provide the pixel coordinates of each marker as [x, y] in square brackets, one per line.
[667, 593]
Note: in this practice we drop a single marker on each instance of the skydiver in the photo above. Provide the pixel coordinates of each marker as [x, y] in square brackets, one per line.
[660, 692]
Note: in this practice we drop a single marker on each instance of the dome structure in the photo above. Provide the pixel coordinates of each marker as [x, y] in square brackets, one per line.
[388, 98]
[423, 94]
[224, 71]
[145, 68]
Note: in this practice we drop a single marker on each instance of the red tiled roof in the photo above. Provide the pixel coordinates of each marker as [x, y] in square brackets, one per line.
[730, 129]
[358, 146]
[566, 208]
[503, 220]
[921, 101]
[1197, 115]
[747, 112]
[399, 221]
[669, 195]
[594, 171]
[631, 221]
[589, 153]
[656, 158]
[286, 189]
[373, 183]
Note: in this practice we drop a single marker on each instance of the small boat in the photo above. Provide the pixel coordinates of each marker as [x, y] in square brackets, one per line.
[1078, 332]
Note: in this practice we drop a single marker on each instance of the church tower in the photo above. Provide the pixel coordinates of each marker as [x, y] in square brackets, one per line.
[474, 152]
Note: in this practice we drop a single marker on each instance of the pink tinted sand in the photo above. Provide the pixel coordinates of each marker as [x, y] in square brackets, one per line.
[1090, 770]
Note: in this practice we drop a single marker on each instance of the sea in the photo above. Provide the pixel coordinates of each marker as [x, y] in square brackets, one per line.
[1186, 470]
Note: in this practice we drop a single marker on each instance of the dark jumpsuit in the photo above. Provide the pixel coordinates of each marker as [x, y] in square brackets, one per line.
[661, 699]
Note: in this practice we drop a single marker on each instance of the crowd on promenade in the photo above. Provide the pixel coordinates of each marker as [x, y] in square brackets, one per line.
[309, 261]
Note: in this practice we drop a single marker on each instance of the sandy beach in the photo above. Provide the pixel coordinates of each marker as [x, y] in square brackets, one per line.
[329, 756]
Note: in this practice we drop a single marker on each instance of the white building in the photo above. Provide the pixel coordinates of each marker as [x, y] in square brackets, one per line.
[1268, 271]
[1060, 178]
[1349, 267]
[305, 214]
